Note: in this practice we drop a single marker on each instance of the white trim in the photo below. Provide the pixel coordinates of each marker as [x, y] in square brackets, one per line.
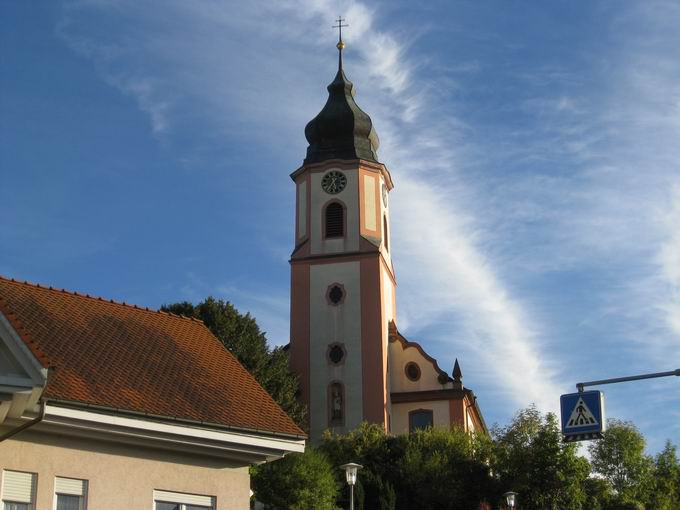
[21, 352]
[25, 390]
[251, 447]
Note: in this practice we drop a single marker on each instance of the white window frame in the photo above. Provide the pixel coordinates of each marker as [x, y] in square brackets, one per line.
[34, 487]
[182, 499]
[70, 489]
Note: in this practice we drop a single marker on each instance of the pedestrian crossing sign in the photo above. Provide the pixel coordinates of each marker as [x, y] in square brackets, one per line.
[582, 415]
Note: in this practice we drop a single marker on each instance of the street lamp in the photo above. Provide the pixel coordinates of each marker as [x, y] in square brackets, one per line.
[351, 474]
[510, 498]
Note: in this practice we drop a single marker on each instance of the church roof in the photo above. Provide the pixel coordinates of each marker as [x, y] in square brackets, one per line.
[125, 358]
[341, 130]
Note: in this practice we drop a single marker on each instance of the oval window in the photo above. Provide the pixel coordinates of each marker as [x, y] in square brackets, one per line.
[412, 371]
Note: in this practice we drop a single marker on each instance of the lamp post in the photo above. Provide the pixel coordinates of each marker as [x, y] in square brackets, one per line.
[351, 474]
[510, 499]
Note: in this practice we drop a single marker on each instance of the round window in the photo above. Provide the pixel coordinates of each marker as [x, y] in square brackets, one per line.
[412, 371]
[335, 294]
[336, 354]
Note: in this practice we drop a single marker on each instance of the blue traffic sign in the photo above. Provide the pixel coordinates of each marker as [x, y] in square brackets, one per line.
[582, 415]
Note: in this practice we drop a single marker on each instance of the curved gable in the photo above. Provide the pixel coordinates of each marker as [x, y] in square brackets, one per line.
[402, 353]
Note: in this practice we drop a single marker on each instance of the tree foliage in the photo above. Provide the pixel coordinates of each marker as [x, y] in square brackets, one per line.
[296, 482]
[665, 494]
[243, 337]
[379, 453]
[619, 457]
[451, 469]
[433, 468]
[532, 460]
[446, 469]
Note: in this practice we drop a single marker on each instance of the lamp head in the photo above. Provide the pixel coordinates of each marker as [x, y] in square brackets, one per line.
[510, 498]
[351, 472]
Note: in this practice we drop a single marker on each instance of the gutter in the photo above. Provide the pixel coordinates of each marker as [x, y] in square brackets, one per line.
[26, 425]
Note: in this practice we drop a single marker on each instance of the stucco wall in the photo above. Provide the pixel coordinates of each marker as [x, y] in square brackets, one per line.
[302, 208]
[330, 324]
[440, 414]
[350, 198]
[121, 476]
[399, 357]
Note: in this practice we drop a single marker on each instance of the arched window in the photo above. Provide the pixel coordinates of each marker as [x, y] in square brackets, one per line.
[336, 404]
[387, 244]
[334, 220]
[420, 419]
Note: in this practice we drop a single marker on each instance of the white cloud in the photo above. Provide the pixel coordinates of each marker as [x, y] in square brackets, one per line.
[669, 264]
[170, 65]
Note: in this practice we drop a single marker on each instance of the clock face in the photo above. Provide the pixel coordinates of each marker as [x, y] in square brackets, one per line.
[333, 182]
[384, 194]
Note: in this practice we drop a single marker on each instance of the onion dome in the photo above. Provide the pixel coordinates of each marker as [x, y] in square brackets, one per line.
[341, 130]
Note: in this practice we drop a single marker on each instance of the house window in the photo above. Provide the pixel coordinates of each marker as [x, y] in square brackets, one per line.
[420, 419]
[166, 500]
[70, 493]
[335, 220]
[18, 490]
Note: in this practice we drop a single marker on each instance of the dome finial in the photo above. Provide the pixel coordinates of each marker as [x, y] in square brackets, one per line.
[341, 130]
[341, 45]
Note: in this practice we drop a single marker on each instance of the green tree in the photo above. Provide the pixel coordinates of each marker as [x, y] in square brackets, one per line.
[532, 460]
[434, 468]
[620, 458]
[665, 494]
[445, 469]
[299, 481]
[599, 494]
[243, 337]
[379, 453]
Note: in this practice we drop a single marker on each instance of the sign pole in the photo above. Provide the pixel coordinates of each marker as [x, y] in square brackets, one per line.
[582, 413]
[581, 385]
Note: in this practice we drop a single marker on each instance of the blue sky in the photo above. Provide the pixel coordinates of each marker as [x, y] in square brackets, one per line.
[146, 147]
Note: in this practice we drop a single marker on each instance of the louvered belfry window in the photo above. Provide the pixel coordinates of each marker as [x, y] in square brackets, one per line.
[335, 220]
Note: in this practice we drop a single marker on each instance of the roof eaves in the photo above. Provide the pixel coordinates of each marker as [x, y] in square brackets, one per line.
[161, 418]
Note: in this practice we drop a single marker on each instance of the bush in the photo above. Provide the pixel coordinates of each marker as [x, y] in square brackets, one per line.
[299, 481]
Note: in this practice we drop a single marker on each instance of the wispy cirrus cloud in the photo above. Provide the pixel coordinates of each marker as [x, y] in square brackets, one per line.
[544, 217]
[212, 63]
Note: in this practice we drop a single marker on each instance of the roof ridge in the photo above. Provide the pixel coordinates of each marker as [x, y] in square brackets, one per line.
[97, 298]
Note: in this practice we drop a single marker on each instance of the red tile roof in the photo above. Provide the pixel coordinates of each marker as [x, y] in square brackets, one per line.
[123, 357]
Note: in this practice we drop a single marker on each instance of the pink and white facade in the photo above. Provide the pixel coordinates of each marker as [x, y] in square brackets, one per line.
[352, 363]
[357, 263]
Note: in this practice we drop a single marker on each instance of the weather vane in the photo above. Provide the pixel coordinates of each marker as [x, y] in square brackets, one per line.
[340, 44]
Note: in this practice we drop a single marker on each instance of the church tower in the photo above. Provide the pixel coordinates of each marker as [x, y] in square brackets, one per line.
[342, 279]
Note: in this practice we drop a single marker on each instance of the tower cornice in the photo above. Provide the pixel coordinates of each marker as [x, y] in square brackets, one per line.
[345, 164]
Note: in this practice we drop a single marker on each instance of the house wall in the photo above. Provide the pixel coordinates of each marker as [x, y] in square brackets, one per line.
[122, 476]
